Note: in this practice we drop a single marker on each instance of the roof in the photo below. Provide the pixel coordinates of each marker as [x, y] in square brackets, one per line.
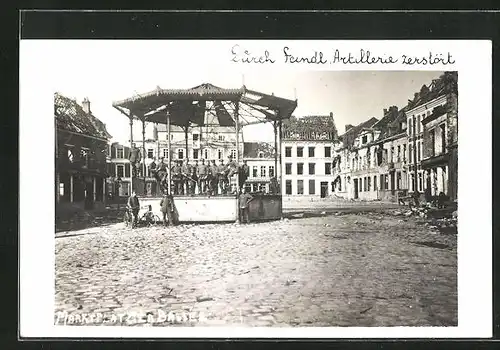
[252, 150]
[315, 127]
[446, 83]
[190, 106]
[70, 116]
[350, 135]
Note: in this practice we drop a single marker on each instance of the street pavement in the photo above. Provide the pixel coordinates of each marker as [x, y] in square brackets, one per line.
[348, 269]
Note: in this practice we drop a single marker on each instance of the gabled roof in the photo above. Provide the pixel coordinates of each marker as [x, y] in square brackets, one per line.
[350, 135]
[70, 116]
[252, 150]
[313, 127]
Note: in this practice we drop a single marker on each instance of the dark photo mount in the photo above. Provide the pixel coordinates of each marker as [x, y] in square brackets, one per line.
[266, 25]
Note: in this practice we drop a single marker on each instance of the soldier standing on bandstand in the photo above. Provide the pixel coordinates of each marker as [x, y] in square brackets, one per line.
[177, 178]
[193, 177]
[186, 171]
[221, 176]
[214, 178]
[202, 177]
[134, 158]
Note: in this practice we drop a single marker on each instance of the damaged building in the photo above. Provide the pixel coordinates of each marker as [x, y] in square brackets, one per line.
[307, 155]
[81, 154]
[408, 150]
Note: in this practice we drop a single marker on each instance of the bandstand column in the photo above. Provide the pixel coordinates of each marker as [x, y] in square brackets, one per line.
[169, 175]
[237, 126]
[71, 188]
[144, 153]
[131, 142]
[275, 126]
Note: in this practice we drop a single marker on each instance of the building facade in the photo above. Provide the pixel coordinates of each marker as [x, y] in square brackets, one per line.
[408, 150]
[262, 166]
[81, 155]
[307, 156]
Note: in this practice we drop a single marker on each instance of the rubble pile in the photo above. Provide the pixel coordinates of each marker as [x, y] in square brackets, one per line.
[438, 219]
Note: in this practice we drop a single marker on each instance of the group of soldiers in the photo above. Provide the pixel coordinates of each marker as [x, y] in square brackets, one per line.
[207, 177]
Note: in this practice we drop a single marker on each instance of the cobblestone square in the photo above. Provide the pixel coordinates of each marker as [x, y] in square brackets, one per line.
[337, 269]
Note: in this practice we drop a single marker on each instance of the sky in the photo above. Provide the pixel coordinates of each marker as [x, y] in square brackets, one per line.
[105, 71]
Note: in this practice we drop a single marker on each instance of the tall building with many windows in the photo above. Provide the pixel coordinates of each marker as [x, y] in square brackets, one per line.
[262, 166]
[307, 156]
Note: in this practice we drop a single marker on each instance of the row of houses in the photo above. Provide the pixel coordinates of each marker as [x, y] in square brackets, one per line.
[413, 148]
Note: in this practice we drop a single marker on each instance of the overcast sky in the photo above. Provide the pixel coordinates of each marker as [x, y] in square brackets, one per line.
[105, 72]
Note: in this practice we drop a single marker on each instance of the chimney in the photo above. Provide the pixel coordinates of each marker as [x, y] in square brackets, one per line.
[86, 105]
[385, 112]
[331, 114]
[348, 127]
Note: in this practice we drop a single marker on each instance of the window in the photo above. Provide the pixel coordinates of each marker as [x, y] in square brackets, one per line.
[150, 153]
[205, 153]
[84, 155]
[369, 184]
[420, 182]
[386, 182]
[328, 151]
[300, 151]
[311, 152]
[288, 168]
[364, 139]
[233, 153]
[328, 168]
[70, 155]
[404, 153]
[374, 182]
[262, 171]
[312, 168]
[300, 186]
[221, 137]
[392, 155]
[165, 152]
[340, 184]
[261, 154]
[120, 170]
[196, 154]
[119, 153]
[288, 186]
[220, 154]
[255, 187]
[271, 171]
[398, 180]
[443, 138]
[399, 154]
[180, 153]
[419, 147]
[410, 155]
[300, 168]
[288, 151]
[312, 187]
[432, 135]
[196, 137]
[254, 171]
[414, 126]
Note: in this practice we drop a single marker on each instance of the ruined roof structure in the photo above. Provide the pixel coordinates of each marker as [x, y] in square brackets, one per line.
[350, 135]
[253, 149]
[71, 117]
[446, 83]
[316, 127]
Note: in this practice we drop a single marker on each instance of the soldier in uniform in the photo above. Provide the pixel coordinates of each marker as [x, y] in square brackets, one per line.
[202, 176]
[134, 158]
[177, 178]
[186, 174]
[221, 175]
[244, 173]
[193, 177]
[214, 178]
[161, 173]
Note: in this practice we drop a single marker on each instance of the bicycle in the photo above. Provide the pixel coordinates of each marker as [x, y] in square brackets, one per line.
[148, 218]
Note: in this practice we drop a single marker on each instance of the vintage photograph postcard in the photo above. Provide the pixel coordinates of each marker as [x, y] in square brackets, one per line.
[255, 189]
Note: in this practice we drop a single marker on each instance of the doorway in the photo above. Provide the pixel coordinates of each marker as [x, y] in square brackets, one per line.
[323, 189]
[356, 189]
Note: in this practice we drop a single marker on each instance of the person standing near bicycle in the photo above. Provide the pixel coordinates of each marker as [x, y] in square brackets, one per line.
[167, 208]
[133, 205]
